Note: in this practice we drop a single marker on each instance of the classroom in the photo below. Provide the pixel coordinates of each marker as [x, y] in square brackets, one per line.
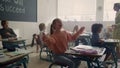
[59, 33]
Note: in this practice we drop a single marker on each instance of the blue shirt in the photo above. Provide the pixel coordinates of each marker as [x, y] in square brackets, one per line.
[95, 39]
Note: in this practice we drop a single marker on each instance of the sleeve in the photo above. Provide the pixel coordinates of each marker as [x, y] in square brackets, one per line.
[49, 41]
[71, 37]
[95, 39]
[117, 18]
[12, 33]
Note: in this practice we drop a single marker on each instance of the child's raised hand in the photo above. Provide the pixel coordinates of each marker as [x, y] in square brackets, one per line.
[82, 29]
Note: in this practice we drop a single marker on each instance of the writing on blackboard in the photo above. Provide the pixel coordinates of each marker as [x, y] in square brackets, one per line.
[19, 2]
[9, 6]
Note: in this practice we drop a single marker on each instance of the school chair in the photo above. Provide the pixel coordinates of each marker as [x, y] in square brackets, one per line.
[57, 64]
[84, 39]
[45, 50]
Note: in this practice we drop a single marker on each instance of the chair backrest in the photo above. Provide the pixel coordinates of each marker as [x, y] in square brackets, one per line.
[85, 40]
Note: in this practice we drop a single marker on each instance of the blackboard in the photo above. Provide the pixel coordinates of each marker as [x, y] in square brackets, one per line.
[18, 10]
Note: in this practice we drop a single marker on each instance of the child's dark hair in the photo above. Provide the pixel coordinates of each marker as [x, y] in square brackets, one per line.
[117, 5]
[95, 27]
[51, 29]
[3, 22]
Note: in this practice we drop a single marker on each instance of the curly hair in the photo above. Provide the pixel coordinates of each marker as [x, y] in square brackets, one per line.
[3, 22]
[95, 27]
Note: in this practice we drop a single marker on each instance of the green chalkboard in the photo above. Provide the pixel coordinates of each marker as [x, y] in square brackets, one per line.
[18, 10]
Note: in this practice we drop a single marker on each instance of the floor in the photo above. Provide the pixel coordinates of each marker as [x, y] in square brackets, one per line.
[35, 61]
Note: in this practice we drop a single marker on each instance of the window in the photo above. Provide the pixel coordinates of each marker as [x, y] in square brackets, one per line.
[77, 10]
[109, 13]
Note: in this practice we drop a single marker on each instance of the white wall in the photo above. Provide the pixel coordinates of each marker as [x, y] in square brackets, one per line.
[47, 11]
[69, 25]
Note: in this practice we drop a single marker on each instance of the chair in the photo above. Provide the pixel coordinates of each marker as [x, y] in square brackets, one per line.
[58, 64]
[85, 40]
[54, 62]
[44, 49]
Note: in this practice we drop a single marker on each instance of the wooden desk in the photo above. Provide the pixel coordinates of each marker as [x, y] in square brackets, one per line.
[15, 42]
[87, 57]
[10, 59]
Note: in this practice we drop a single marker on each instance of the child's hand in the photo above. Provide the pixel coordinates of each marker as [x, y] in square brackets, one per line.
[82, 29]
[7, 33]
[45, 37]
[101, 41]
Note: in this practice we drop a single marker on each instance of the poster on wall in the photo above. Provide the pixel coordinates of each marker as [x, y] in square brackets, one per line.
[18, 10]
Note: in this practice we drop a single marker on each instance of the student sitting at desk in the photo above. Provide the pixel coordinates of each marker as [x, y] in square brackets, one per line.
[9, 34]
[96, 41]
[58, 43]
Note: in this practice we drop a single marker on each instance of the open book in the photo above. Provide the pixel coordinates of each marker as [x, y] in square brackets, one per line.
[84, 49]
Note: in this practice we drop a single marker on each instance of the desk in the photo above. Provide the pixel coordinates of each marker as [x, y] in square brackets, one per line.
[15, 42]
[112, 43]
[10, 59]
[87, 57]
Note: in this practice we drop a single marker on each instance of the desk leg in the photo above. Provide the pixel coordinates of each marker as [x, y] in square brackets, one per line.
[24, 45]
[115, 57]
[98, 63]
[89, 64]
[114, 54]
[24, 63]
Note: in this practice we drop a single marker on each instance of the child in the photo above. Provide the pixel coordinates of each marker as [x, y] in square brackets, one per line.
[38, 38]
[42, 28]
[96, 41]
[96, 29]
[58, 43]
[7, 33]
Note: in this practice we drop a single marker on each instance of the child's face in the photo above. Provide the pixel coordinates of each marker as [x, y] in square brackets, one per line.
[58, 25]
[100, 29]
[44, 27]
[5, 25]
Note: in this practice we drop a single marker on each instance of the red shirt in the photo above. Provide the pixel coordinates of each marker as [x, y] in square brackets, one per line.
[58, 43]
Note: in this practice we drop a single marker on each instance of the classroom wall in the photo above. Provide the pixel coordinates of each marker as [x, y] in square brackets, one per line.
[47, 11]
[69, 25]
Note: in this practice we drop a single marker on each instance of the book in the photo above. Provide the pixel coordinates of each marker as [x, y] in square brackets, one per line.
[82, 49]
